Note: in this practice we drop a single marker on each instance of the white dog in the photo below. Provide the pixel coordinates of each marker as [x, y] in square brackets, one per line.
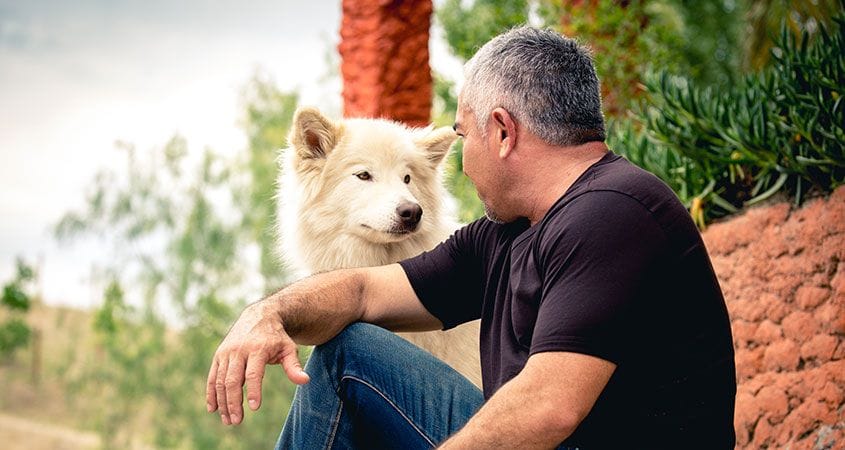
[369, 192]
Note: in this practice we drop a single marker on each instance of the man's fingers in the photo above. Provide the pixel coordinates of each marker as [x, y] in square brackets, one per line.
[220, 390]
[254, 375]
[210, 391]
[293, 368]
[235, 388]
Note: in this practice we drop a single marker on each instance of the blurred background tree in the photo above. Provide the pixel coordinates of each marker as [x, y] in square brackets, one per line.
[764, 20]
[194, 244]
[268, 117]
[16, 301]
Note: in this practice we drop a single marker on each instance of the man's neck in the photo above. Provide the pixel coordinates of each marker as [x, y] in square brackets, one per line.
[553, 172]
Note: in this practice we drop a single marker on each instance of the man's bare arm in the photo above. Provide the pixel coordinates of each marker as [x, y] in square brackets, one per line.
[311, 312]
[379, 295]
[538, 408]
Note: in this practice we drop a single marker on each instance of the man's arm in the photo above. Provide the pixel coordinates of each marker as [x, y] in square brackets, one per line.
[538, 408]
[311, 311]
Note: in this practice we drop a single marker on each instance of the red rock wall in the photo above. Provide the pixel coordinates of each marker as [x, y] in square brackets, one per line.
[783, 274]
[384, 51]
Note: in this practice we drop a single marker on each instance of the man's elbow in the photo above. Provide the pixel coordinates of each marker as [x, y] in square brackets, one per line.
[560, 424]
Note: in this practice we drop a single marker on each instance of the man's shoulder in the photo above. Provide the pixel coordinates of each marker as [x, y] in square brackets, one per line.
[621, 176]
[614, 186]
[614, 196]
[618, 196]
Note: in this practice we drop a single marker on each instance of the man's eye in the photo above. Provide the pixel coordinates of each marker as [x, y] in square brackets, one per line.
[407, 179]
[364, 176]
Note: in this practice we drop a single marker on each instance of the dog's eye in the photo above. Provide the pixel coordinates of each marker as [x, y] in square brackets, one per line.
[364, 176]
[407, 179]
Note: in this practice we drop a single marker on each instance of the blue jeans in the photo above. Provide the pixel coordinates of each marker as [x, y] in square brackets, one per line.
[372, 389]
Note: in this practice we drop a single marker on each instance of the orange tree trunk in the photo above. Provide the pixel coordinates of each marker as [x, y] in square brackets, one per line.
[384, 52]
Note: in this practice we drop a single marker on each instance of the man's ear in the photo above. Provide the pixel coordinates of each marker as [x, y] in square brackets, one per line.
[504, 128]
[313, 135]
[436, 143]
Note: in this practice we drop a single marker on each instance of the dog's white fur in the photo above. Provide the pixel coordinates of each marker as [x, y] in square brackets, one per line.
[330, 218]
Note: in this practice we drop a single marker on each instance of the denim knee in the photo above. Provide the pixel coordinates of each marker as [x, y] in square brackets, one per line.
[356, 335]
[356, 341]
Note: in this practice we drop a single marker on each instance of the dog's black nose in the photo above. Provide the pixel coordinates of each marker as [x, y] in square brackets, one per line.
[410, 213]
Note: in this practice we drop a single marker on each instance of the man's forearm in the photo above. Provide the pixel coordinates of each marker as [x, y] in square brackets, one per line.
[518, 416]
[538, 408]
[317, 308]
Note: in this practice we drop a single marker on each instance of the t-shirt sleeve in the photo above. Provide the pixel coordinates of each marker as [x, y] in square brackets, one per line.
[594, 258]
[447, 279]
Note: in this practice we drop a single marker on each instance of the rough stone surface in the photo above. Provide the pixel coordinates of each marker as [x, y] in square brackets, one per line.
[782, 271]
[384, 51]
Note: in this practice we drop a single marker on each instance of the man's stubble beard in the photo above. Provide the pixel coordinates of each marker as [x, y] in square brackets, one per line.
[491, 215]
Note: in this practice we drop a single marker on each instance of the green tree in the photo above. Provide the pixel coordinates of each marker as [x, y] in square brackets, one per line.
[14, 331]
[765, 18]
[267, 120]
[185, 234]
[469, 26]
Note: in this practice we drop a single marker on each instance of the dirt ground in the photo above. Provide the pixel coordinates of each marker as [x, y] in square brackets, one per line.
[25, 434]
[35, 415]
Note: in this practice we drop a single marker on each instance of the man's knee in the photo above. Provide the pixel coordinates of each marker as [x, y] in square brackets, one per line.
[356, 340]
[355, 335]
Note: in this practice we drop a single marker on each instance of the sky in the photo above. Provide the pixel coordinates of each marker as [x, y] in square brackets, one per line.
[75, 77]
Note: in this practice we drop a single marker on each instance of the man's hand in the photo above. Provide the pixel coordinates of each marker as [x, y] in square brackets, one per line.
[312, 310]
[256, 339]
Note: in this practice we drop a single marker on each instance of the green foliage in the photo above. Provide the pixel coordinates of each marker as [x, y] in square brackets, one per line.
[268, 117]
[705, 39]
[15, 298]
[14, 331]
[443, 114]
[468, 27]
[470, 207]
[766, 17]
[779, 130]
[186, 233]
[14, 334]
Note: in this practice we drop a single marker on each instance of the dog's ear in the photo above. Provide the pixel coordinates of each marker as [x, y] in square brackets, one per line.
[436, 143]
[313, 135]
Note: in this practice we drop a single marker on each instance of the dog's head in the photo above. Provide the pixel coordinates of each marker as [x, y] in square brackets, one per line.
[378, 178]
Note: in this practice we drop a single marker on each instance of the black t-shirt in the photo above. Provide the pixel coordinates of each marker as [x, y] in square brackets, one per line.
[616, 269]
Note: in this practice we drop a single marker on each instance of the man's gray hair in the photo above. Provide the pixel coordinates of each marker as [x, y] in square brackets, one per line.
[546, 81]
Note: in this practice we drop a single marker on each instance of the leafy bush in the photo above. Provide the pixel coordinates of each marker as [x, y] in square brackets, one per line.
[778, 130]
[14, 331]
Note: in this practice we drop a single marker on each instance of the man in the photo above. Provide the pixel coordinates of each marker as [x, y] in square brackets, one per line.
[603, 325]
